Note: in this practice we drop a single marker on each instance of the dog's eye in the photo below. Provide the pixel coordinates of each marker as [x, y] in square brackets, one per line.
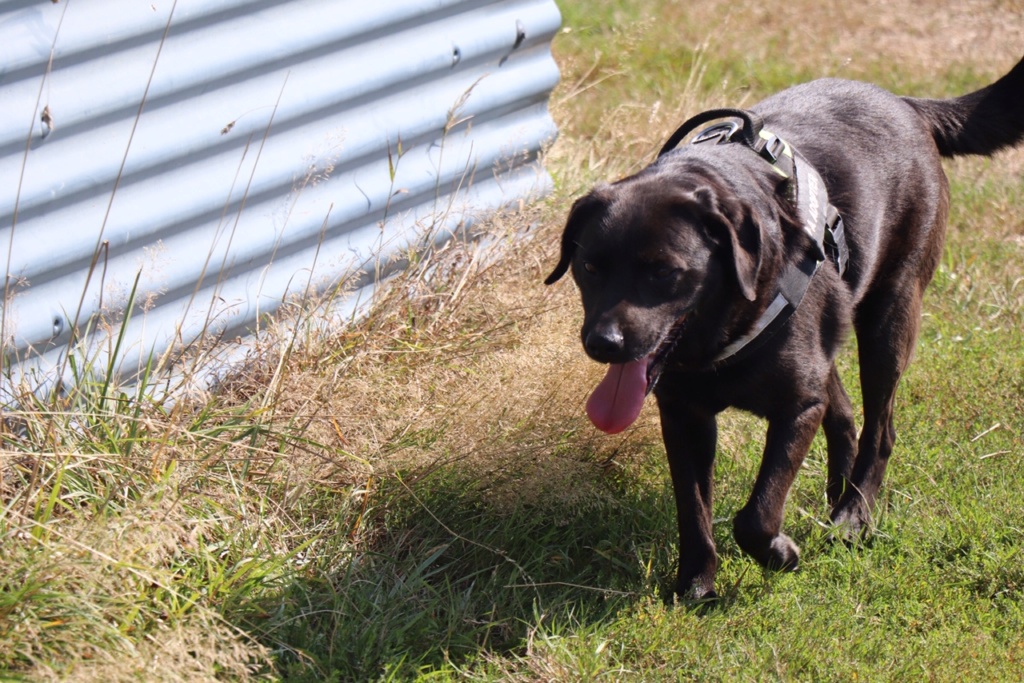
[663, 273]
[590, 267]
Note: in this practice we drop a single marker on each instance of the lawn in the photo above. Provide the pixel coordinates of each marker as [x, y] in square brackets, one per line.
[419, 496]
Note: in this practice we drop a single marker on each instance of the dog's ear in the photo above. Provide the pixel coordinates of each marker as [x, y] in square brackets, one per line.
[583, 210]
[747, 238]
[735, 223]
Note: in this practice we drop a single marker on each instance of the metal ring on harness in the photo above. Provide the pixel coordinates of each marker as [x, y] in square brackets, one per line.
[751, 129]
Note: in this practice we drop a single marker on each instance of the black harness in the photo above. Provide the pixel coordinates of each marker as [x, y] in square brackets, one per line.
[806, 188]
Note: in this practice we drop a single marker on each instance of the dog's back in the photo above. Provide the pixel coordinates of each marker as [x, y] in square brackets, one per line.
[861, 136]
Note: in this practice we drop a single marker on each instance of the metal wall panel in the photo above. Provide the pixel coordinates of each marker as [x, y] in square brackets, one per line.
[219, 156]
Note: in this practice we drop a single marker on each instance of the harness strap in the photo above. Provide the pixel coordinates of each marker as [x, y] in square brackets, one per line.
[792, 287]
[819, 218]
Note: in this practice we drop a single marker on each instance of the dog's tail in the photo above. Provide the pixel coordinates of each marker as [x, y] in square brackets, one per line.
[981, 122]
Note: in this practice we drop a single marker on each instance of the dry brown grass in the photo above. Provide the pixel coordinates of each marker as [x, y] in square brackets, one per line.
[844, 39]
[483, 380]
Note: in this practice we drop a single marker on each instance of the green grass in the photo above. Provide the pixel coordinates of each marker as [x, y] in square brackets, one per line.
[419, 496]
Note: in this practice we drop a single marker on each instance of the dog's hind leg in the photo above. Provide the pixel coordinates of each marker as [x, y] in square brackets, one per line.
[841, 436]
[887, 323]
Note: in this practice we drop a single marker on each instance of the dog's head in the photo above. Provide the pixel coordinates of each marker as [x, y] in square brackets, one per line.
[651, 254]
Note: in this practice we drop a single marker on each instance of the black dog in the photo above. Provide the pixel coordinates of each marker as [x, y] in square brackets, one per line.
[727, 272]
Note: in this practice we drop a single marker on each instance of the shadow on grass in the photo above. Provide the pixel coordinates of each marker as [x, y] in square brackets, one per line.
[444, 576]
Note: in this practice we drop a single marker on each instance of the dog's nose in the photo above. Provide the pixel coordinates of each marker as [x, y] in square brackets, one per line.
[604, 343]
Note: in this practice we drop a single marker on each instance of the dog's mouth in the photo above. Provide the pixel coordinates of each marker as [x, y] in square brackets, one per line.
[616, 402]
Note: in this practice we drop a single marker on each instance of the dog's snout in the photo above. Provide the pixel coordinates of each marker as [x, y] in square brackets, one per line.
[605, 343]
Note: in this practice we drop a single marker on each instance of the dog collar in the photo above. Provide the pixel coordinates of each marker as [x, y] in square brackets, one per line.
[818, 218]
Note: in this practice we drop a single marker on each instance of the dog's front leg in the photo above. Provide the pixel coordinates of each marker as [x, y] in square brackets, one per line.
[690, 446]
[758, 525]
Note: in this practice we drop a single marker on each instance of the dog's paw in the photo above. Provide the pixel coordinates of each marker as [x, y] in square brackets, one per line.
[692, 589]
[850, 520]
[696, 594]
[783, 554]
[777, 552]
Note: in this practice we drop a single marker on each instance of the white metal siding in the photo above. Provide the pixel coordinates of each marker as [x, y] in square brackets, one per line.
[265, 156]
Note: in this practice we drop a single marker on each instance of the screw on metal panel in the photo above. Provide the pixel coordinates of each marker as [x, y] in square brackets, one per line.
[58, 325]
[456, 55]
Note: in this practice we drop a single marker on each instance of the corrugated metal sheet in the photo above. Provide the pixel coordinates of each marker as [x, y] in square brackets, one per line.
[224, 154]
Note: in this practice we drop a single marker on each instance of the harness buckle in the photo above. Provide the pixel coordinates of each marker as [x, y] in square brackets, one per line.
[772, 148]
[835, 239]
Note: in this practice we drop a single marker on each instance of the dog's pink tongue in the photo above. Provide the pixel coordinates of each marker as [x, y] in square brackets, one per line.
[617, 400]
